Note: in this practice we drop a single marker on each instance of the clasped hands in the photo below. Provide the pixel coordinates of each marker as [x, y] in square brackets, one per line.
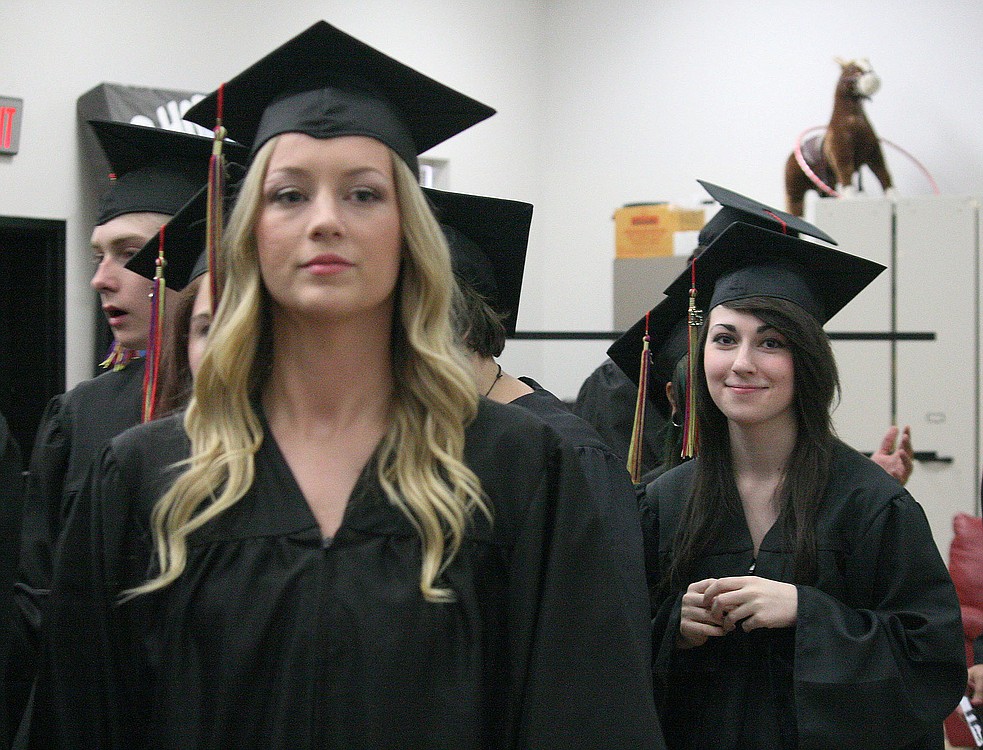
[715, 606]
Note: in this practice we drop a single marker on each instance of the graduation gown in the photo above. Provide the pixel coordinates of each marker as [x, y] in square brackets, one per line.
[273, 639]
[608, 481]
[606, 401]
[875, 659]
[74, 428]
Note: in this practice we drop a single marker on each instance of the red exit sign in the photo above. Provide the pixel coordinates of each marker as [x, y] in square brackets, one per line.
[10, 116]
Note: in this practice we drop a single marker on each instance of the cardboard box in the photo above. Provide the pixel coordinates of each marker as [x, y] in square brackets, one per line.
[645, 230]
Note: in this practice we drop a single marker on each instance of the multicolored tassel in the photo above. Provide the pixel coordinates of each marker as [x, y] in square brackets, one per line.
[118, 357]
[156, 337]
[638, 426]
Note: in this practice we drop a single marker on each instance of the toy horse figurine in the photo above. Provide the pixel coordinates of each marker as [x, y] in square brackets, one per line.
[848, 144]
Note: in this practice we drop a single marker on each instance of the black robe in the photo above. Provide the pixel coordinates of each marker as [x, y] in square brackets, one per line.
[72, 432]
[11, 500]
[606, 401]
[609, 482]
[875, 659]
[272, 639]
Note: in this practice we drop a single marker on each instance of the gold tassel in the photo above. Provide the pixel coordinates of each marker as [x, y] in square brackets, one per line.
[216, 193]
[694, 318]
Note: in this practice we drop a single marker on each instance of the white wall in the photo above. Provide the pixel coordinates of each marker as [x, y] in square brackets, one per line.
[599, 103]
[51, 52]
[644, 97]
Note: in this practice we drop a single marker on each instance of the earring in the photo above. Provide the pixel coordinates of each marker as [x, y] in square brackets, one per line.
[672, 419]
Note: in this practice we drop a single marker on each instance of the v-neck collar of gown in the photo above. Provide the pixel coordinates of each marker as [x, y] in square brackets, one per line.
[275, 505]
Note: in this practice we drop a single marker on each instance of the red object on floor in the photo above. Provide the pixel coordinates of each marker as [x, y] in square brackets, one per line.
[966, 569]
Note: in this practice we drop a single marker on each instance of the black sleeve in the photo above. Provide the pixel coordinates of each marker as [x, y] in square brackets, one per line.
[42, 517]
[32, 582]
[11, 500]
[665, 603]
[648, 511]
[888, 667]
[90, 681]
[609, 483]
[584, 662]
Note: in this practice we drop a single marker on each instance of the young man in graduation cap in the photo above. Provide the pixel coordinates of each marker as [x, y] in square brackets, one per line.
[895, 454]
[154, 173]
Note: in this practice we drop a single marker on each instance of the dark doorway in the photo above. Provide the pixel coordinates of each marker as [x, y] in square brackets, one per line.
[32, 321]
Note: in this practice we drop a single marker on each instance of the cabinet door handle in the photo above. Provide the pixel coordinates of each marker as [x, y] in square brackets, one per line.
[925, 457]
[932, 457]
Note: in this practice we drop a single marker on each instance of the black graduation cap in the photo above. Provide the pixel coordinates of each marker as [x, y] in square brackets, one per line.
[155, 170]
[326, 83]
[184, 235]
[488, 238]
[184, 244]
[668, 343]
[750, 261]
[200, 267]
[736, 207]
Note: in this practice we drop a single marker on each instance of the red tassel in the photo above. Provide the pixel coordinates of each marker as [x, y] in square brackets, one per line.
[638, 425]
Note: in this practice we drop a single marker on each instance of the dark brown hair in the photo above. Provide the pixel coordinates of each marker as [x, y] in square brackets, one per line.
[175, 387]
[476, 324]
[715, 497]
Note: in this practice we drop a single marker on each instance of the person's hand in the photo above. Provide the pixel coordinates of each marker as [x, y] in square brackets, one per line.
[696, 622]
[974, 685]
[751, 602]
[897, 460]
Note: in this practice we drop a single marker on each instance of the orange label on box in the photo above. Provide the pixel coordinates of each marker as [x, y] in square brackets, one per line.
[646, 230]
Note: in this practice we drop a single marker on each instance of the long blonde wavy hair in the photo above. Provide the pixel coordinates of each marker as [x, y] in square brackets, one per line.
[420, 466]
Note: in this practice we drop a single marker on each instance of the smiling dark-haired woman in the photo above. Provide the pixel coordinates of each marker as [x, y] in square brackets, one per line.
[799, 598]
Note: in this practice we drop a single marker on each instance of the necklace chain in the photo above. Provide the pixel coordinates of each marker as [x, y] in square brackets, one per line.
[498, 376]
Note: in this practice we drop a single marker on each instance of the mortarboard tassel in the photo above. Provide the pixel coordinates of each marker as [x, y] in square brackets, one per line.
[216, 191]
[638, 425]
[118, 357]
[155, 339]
[694, 319]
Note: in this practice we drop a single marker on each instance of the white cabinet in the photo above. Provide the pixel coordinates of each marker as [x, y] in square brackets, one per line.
[908, 348]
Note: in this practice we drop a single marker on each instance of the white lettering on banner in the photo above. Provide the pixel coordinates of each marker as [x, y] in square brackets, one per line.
[170, 116]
